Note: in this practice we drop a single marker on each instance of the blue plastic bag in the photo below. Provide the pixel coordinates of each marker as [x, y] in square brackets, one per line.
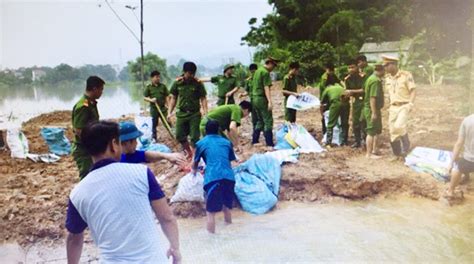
[281, 142]
[257, 183]
[57, 142]
[156, 147]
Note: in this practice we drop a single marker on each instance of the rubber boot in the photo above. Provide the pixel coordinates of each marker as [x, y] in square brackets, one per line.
[345, 138]
[268, 138]
[396, 147]
[256, 136]
[323, 123]
[405, 145]
[357, 138]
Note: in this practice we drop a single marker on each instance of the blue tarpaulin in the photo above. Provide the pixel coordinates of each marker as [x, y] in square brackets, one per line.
[57, 142]
[257, 182]
[156, 147]
[281, 142]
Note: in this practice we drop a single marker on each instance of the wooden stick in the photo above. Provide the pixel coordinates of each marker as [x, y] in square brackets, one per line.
[165, 122]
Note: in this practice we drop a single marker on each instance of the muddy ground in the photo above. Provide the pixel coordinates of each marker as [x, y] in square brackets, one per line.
[33, 196]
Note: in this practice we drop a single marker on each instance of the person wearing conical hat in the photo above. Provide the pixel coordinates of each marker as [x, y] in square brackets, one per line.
[402, 93]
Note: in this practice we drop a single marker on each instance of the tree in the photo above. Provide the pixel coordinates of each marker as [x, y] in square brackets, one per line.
[152, 62]
[62, 72]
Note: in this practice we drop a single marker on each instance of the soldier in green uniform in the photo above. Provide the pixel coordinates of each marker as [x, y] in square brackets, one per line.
[84, 112]
[373, 104]
[248, 90]
[328, 70]
[355, 89]
[227, 85]
[261, 97]
[229, 118]
[333, 98]
[290, 86]
[189, 94]
[156, 93]
[365, 70]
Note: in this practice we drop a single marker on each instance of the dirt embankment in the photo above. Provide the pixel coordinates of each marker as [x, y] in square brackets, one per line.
[33, 196]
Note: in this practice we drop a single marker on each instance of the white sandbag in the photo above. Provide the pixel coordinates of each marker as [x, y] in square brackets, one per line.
[190, 189]
[144, 125]
[336, 132]
[298, 135]
[432, 161]
[302, 102]
[17, 143]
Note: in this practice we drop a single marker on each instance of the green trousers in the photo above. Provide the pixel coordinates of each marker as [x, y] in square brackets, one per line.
[264, 117]
[290, 114]
[82, 159]
[358, 123]
[338, 109]
[187, 124]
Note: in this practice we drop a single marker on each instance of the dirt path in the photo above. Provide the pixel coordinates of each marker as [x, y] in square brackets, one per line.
[33, 196]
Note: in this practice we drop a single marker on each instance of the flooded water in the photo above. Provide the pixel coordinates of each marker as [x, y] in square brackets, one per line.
[18, 104]
[384, 230]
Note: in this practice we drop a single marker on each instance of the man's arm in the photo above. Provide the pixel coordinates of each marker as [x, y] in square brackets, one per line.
[268, 94]
[285, 92]
[204, 105]
[169, 226]
[74, 244]
[457, 150]
[172, 105]
[229, 94]
[153, 156]
[149, 99]
[373, 107]
[412, 96]
[234, 133]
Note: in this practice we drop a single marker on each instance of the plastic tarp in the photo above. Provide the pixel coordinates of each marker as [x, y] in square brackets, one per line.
[285, 155]
[302, 102]
[57, 142]
[190, 189]
[144, 124]
[17, 143]
[298, 136]
[336, 132]
[155, 147]
[257, 183]
[432, 161]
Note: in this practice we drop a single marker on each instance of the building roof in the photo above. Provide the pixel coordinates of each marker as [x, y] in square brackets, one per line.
[388, 46]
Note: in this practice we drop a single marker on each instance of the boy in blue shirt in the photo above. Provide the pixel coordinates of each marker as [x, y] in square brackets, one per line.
[218, 153]
[128, 138]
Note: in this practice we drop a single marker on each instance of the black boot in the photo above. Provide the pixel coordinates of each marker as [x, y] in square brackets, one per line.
[396, 147]
[268, 138]
[405, 145]
[256, 136]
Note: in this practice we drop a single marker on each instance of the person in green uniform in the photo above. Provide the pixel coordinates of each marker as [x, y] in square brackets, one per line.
[189, 95]
[227, 85]
[229, 118]
[84, 112]
[261, 97]
[290, 86]
[355, 89]
[328, 70]
[365, 70]
[156, 93]
[248, 90]
[334, 100]
[373, 104]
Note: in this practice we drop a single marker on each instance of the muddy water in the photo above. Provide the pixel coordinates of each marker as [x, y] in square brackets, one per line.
[385, 230]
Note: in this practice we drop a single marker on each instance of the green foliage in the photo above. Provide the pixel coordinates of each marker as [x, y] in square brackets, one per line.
[61, 73]
[151, 63]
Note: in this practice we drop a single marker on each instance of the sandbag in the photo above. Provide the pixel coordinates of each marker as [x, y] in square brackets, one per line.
[155, 147]
[281, 142]
[17, 143]
[57, 142]
[285, 155]
[298, 136]
[257, 183]
[336, 132]
[431, 161]
[190, 189]
[302, 102]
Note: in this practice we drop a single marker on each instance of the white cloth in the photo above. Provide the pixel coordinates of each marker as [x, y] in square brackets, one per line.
[302, 102]
[467, 132]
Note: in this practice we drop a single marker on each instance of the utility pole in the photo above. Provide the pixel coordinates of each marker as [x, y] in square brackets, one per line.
[141, 45]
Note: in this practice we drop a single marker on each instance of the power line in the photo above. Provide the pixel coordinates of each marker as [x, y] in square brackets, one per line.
[123, 22]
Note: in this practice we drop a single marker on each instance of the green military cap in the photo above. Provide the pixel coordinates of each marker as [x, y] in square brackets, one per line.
[228, 66]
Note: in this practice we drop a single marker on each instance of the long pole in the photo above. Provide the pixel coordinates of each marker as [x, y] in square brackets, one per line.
[141, 45]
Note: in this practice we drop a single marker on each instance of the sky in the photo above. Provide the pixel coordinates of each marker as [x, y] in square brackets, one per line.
[47, 33]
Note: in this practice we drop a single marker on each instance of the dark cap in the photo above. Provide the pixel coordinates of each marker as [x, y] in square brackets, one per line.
[228, 66]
